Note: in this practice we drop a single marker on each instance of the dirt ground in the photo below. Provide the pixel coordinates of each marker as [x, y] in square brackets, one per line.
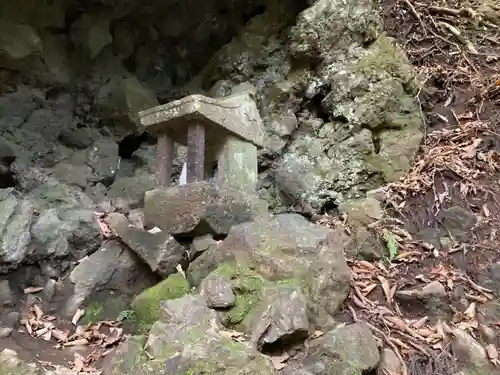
[455, 48]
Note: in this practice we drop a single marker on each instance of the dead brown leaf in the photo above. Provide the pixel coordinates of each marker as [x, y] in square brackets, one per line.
[78, 315]
[279, 361]
[32, 289]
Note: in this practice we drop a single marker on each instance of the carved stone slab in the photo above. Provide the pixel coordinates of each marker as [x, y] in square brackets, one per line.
[236, 114]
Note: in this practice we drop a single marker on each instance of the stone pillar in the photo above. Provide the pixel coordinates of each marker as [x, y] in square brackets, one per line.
[164, 158]
[237, 166]
[195, 152]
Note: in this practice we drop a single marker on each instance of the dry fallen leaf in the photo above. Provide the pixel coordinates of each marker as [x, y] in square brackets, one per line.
[386, 287]
[316, 334]
[33, 289]
[420, 323]
[278, 361]
[471, 311]
[492, 352]
[37, 311]
[79, 342]
[79, 313]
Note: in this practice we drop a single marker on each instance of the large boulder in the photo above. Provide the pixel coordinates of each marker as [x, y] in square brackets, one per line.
[16, 216]
[350, 349]
[200, 208]
[113, 267]
[286, 249]
[187, 338]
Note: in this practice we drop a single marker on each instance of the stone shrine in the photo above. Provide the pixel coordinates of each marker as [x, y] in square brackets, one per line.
[224, 132]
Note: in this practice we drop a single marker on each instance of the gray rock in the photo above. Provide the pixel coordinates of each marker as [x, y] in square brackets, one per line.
[132, 189]
[362, 211]
[5, 332]
[47, 269]
[16, 216]
[22, 43]
[472, 353]
[49, 290]
[112, 267]
[46, 231]
[46, 192]
[121, 99]
[77, 175]
[102, 157]
[6, 296]
[10, 363]
[344, 350]
[159, 250]
[57, 232]
[282, 316]
[77, 138]
[328, 280]
[91, 33]
[200, 245]
[280, 247]
[218, 292]
[126, 356]
[491, 278]
[200, 208]
[204, 264]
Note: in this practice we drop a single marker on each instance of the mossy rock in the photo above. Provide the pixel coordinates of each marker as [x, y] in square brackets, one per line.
[11, 364]
[146, 305]
[247, 286]
[226, 357]
[386, 57]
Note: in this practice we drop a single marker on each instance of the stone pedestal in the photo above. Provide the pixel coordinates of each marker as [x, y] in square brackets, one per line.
[200, 208]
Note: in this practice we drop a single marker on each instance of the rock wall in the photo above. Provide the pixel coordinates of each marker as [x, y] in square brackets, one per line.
[336, 96]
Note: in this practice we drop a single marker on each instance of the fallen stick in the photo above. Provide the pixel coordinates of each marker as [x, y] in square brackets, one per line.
[456, 33]
[465, 12]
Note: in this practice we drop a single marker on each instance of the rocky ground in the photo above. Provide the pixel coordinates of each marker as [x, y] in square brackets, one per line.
[382, 253]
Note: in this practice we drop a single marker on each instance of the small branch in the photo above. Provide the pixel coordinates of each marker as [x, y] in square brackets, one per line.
[456, 33]
[464, 12]
[416, 15]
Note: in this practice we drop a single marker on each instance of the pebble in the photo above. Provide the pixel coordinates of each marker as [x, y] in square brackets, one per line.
[5, 332]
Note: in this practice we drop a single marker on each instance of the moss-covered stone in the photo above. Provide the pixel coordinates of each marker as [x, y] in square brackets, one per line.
[247, 285]
[147, 304]
[228, 357]
[11, 364]
[385, 58]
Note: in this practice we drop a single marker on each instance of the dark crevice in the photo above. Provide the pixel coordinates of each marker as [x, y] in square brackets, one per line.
[376, 141]
[330, 208]
[130, 144]
[315, 107]
[247, 16]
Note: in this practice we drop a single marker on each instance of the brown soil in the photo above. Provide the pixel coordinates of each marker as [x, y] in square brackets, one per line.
[459, 99]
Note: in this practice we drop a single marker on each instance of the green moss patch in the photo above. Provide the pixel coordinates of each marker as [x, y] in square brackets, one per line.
[146, 305]
[247, 285]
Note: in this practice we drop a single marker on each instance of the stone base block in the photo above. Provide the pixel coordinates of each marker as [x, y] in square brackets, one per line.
[200, 208]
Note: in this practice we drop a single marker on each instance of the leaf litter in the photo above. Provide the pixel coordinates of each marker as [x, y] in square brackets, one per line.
[102, 336]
